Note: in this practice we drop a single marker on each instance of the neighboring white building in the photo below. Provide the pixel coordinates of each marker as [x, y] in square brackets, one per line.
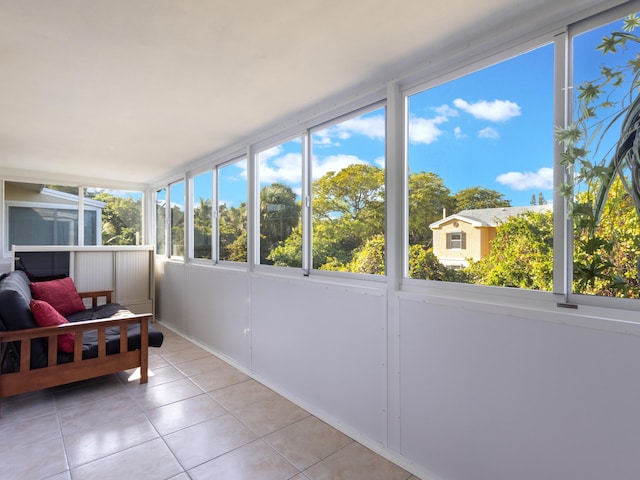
[42, 216]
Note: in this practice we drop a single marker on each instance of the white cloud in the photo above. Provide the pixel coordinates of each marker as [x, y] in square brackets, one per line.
[495, 111]
[371, 127]
[380, 162]
[425, 130]
[542, 179]
[286, 168]
[446, 111]
[488, 133]
[333, 163]
[458, 132]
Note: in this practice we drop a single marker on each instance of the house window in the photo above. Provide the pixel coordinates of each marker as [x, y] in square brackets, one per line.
[348, 194]
[480, 150]
[232, 211]
[280, 179]
[456, 241]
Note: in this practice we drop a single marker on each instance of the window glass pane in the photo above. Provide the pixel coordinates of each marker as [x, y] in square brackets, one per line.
[480, 157]
[348, 199]
[42, 226]
[202, 214]
[119, 213]
[232, 208]
[90, 227]
[280, 175]
[606, 200]
[161, 224]
[176, 196]
[41, 214]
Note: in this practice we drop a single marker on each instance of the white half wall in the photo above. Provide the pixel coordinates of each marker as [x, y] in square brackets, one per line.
[487, 396]
[327, 346]
[483, 392]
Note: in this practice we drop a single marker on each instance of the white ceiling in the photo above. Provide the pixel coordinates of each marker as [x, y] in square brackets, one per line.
[130, 90]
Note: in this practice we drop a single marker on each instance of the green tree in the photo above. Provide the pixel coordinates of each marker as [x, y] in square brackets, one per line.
[606, 255]
[479, 197]
[521, 254]
[121, 219]
[279, 215]
[348, 210]
[602, 148]
[232, 224]
[429, 200]
[370, 257]
[202, 228]
[423, 264]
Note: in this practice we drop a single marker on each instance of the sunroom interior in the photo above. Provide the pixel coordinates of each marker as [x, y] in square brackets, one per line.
[195, 105]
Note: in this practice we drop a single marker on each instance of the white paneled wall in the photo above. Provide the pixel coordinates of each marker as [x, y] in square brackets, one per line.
[483, 392]
[127, 271]
[131, 266]
[93, 271]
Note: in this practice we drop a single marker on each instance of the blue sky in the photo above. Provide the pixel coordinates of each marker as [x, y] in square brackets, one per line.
[492, 128]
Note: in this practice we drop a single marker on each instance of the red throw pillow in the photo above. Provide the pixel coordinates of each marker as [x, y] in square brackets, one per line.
[60, 294]
[45, 315]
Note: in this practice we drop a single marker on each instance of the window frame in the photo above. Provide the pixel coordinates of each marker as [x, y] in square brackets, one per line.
[561, 296]
[253, 214]
[216, 209]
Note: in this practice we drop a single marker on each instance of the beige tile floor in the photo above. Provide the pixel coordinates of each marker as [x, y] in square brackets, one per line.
[197, 418]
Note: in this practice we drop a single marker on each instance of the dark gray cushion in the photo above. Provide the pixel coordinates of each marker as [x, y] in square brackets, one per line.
[15, 314]
[15, 296]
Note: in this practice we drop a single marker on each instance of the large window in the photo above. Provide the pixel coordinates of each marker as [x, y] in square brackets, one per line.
[232, 211]
[480, 176]
[348, 195]
[483, 149]
[280, 178]
[602, 151]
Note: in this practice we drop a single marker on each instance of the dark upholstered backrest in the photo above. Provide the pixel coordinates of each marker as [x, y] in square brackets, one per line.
[15, 312]
[15, 296]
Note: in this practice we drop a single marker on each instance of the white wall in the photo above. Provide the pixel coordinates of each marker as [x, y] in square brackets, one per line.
[485, 393]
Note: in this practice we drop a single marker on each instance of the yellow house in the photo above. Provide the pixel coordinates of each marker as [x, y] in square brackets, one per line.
[467, 234]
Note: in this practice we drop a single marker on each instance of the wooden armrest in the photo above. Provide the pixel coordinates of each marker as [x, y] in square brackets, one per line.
[75, 327]
[95, 295]
[25, 379]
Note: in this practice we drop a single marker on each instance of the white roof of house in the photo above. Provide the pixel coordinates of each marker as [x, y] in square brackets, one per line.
[490, 217]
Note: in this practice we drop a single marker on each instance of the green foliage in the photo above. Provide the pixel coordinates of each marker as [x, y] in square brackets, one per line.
[429, 198]
[279, 215]
[202, 229]
[423, 264]
[479, 197]
[605, 185]
[370, 257]
[348, 212]
[606, 257]
[121, 219]
[232, 224]
[521, 254]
